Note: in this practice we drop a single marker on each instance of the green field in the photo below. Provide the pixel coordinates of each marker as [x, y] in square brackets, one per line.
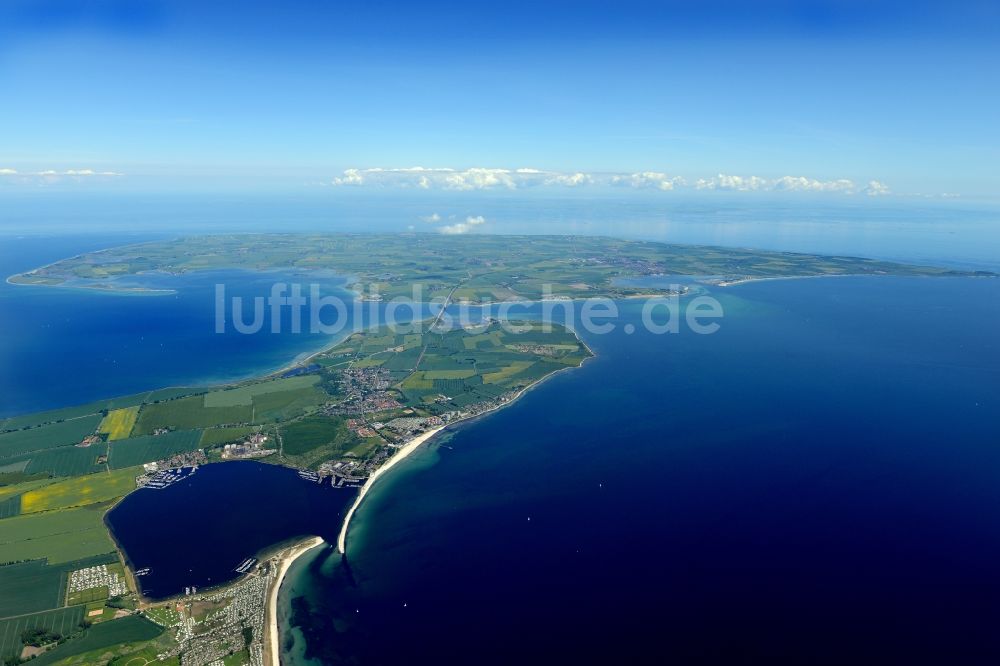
[39, 418]
[315, 439]
[506, 372]
[370, 362]
[63, 621]
[10, 507]
[244, 395]
[29, 587]
[216, 436]
[305, 435]
[274, 407]
[49, 436]
[87, 596]
[138, 450]
[60, 536]
[130, 629]
[128, 654]
[8, 469]
[257, 402]
[189, 413]
[66, 460]
[160, 395]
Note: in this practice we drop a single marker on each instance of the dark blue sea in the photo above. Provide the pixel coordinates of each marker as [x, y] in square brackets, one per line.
[816, 483]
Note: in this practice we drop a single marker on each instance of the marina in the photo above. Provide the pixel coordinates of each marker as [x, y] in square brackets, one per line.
[309, 475]
[246, 565]
[165, 478]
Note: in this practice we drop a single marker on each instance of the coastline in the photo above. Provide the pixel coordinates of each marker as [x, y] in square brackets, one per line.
[749, 279]
[284, 558]
[75, 256]
[393, 460]
[272, 646]
[123, 291]
[415, 443]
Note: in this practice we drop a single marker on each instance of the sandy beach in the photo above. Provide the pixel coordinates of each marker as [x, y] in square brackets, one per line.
[399, 455]
[272, 656]
[749, 279]
[272, 646]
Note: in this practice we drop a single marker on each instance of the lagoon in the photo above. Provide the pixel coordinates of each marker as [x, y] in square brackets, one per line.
[197, 531]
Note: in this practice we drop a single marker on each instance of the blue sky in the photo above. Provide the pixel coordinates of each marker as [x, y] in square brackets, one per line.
[836, 98]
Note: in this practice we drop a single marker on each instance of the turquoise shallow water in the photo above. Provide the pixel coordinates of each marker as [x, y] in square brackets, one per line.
[815, 483]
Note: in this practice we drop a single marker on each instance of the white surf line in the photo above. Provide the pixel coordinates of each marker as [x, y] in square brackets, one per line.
[402, 453]
[272, 654]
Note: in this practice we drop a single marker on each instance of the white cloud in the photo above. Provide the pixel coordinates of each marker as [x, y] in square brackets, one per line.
[726, 182]
[476, 178]
[480, 179]
[876, 188]
[433, 217]
[653, 179]
[417, 169]
[784, 184]
[350, 177]
[53, 174]
[570, 179]
[803, 184]
[487, 178]
[463, 227]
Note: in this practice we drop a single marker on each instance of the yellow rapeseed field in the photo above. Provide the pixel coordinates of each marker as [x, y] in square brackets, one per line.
[79, 491]
[118, 423]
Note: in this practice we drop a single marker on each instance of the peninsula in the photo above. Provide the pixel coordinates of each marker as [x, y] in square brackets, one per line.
[342, 416]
